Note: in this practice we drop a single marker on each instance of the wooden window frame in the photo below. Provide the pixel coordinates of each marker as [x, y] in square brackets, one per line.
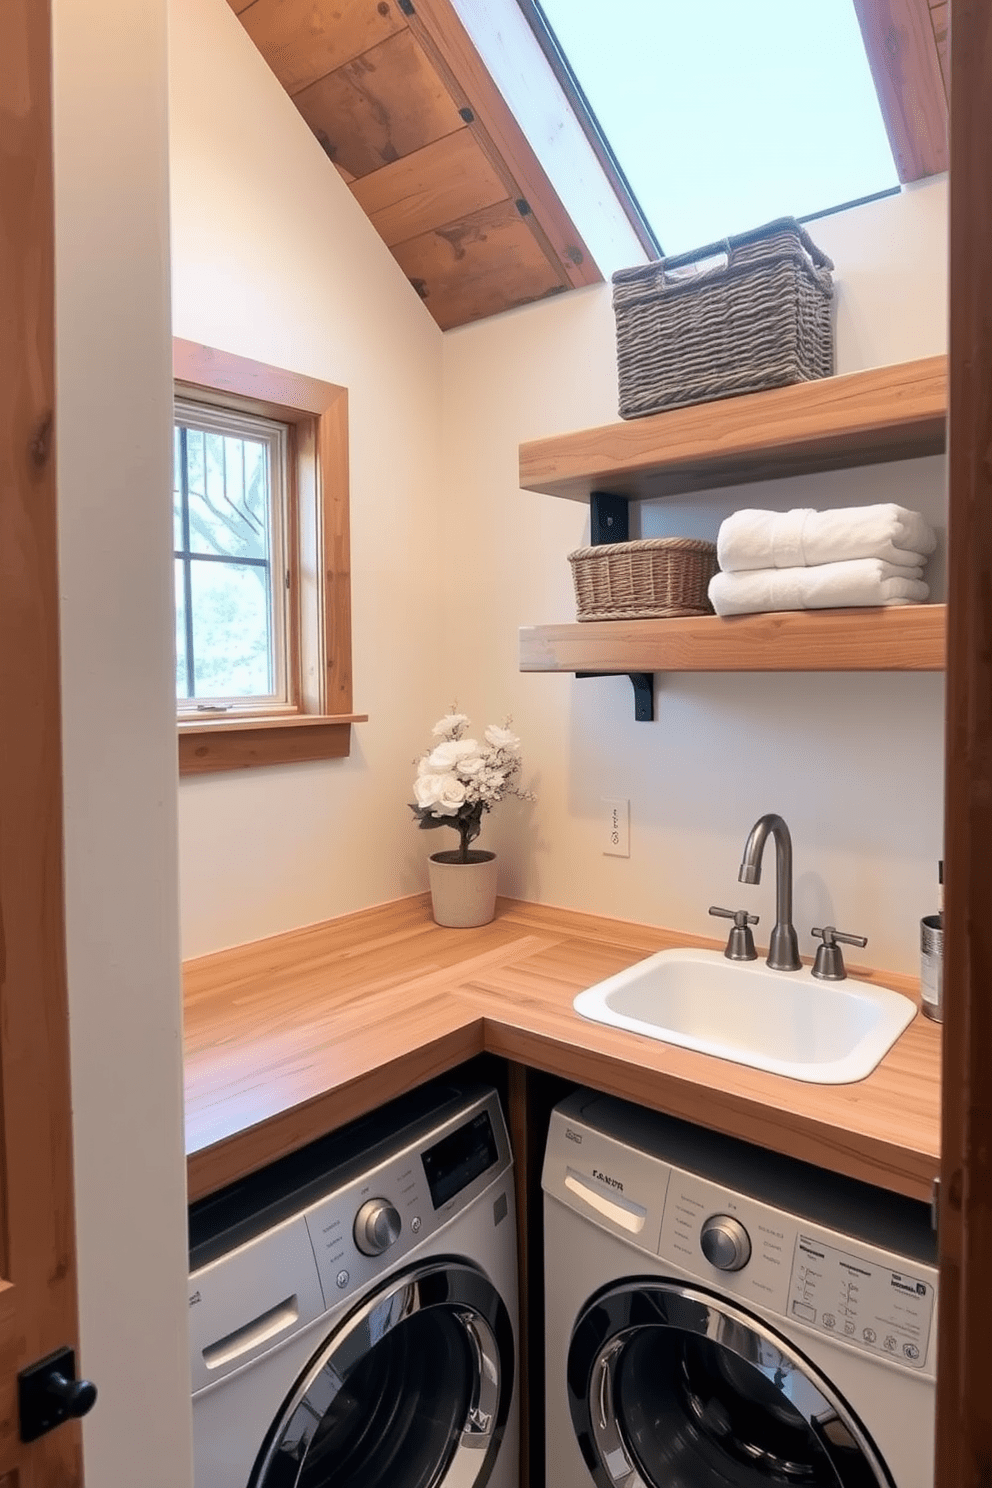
[318, 725]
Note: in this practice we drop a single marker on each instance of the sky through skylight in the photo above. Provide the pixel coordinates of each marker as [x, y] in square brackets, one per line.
[727, 113]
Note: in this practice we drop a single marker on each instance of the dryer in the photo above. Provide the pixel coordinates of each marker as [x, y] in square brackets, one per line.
[353, 1308]
[720, 1315]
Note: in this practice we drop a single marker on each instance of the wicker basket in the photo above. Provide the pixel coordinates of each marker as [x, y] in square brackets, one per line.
[652, 579]
[749, 313]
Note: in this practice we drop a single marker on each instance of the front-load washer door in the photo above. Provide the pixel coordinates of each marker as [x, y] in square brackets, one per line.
[670, 1385]
[411, 1390]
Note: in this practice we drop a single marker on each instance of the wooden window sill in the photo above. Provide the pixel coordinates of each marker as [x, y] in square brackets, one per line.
[210, 744]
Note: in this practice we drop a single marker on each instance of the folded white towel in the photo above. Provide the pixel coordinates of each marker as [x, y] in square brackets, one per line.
[796, 539]
[862, 581]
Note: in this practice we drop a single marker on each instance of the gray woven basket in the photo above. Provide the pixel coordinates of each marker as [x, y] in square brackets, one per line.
[691, 328]
[655, 578]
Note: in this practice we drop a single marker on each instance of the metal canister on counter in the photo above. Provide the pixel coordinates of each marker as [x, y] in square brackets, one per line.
[932, 955]
[932, 966]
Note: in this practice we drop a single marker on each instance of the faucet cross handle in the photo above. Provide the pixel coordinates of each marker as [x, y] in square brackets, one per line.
[740, 946]
[829, 964]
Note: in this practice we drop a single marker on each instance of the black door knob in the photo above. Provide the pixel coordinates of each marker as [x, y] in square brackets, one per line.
[49, 1393]
[75, 1397]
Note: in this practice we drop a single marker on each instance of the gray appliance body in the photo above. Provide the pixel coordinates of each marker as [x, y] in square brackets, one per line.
[718, 1315]
[353, 1308]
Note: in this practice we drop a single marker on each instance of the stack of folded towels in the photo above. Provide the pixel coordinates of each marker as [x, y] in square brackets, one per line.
[810, 560]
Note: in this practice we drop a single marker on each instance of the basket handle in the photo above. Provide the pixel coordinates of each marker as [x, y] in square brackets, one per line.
[692, 255]
[696, 257]
[726, 246]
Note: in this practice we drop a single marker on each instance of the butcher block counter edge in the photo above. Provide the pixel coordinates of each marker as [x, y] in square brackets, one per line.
[290, 1037]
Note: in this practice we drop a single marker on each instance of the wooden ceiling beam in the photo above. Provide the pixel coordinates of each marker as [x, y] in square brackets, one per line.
[303, 40]
[403, 104]
[438, 28]
[379, 107]
[488, 262]
[901, 42]
[444, 181]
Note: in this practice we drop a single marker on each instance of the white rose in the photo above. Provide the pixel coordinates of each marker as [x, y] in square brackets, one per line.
[449, 724]
[451, 796]
[446, 757]
[472, 765]
[428, 790]
[501, 738]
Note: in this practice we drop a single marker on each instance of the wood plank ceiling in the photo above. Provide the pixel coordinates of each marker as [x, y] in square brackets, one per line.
[404, 106]
[906, 42]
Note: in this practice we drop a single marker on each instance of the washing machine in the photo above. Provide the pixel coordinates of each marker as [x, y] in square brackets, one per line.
[353, 1308]
[719, 1315]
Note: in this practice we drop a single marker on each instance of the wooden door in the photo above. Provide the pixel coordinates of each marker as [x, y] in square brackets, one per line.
[37, 1250]
[964, 1373]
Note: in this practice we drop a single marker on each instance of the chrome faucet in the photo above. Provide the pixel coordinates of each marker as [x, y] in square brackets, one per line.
[783, 950]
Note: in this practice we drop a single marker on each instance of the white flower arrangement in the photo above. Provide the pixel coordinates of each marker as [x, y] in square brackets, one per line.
[459, 779]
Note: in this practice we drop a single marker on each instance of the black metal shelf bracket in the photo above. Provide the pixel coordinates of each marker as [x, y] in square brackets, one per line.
[609, 518]
[643, 685]
[609, 522]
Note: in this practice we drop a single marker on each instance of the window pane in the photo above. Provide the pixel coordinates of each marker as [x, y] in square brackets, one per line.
[228, 495]
[182, 680]
[231, 630]
[725, 115]
[177, 488]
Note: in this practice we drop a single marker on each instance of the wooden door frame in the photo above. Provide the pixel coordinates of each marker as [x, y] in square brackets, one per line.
[37, 1214]
[32, 835]
[964, 1399]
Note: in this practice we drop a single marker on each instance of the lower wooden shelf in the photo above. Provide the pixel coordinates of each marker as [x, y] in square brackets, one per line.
[909, 638]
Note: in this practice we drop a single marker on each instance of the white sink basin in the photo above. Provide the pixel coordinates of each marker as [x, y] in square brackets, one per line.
[787, 1022]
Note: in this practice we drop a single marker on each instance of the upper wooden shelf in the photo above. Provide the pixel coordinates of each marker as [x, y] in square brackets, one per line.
[910, 638]
[861, 418]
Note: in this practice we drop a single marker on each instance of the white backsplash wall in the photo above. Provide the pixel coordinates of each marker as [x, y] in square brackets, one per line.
[853, 761]
[273, 259]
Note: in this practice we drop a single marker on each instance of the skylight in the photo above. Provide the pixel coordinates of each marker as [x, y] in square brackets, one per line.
[724, 115]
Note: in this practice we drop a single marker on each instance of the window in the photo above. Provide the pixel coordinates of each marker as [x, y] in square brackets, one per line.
[232, 578]
[261, 554]
[715, 117]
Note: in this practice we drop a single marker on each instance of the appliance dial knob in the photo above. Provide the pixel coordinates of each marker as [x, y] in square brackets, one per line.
[377, 1226]
[725, 1243]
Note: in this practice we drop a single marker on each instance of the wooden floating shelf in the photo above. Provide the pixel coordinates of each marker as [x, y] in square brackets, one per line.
[862, 418]
[909, 638]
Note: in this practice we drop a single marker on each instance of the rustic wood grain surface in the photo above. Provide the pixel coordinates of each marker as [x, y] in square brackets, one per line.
[292, 1036]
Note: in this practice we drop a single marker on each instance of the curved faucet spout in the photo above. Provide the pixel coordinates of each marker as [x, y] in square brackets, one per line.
[783, 951]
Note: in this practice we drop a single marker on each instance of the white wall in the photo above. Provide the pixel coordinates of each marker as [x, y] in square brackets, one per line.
[272, 259]
[119, 758]
[853, 762]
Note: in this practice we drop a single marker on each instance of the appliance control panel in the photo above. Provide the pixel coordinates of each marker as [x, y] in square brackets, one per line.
[850, 1293]
[373, 1222]
[861, 1301]
[360, 1229]
[743, 1247]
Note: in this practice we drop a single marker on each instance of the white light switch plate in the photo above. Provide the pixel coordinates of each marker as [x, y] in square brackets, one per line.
[616, 828]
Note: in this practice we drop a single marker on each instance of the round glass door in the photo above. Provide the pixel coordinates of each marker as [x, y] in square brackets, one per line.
[411, 1390]
[670, 1385]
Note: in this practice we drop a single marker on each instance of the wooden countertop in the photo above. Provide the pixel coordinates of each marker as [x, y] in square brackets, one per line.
[289, 1037]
